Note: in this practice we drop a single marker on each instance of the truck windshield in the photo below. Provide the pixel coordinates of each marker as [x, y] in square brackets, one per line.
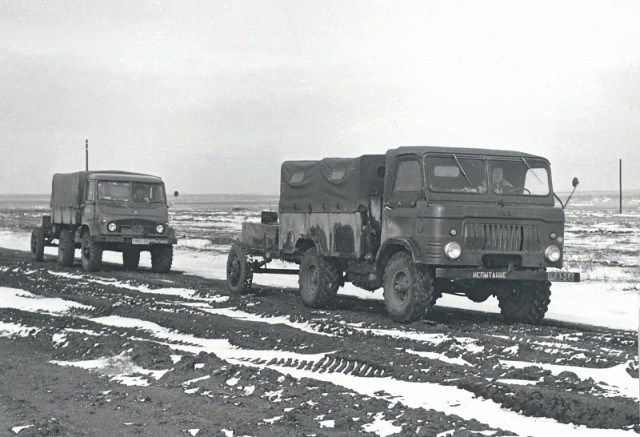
[503, 177]
[136, 192]
[454, 174]
[520, 177]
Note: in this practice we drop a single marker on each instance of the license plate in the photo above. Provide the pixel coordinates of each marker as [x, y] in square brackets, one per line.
[563, 276]
[140, 241]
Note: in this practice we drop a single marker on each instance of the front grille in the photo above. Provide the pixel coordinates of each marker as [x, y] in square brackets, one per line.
[136, 227]
[501, 238]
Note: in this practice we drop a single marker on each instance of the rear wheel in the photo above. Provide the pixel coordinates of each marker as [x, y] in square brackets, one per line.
[37, 244]
[91, 253]
[525, 303]
[319, 279]
[131, 258]
[66, 247]
[239, 272]
[161, 258]
[408, 289]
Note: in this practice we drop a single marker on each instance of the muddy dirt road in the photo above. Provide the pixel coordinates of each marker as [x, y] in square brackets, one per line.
[122, 353]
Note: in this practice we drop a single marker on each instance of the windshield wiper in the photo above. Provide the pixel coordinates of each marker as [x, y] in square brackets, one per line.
[532, 171]
[464, 173]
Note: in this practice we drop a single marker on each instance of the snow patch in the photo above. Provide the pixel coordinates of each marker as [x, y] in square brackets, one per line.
[614, 380]
[381, 426]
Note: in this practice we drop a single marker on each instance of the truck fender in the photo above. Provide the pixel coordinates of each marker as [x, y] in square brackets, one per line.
[389, 247]
[317, 236]
[92, 229]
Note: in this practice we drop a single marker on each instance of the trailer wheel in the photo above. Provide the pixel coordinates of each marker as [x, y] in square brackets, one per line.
[37, 244]
[66, 248]
[239, 272]
[130, 258]
[408, 289]
[319, 279]
[527, 304]
[91, 253]
[161, 258]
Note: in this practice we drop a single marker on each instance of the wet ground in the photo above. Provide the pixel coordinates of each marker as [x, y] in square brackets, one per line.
[126, 353]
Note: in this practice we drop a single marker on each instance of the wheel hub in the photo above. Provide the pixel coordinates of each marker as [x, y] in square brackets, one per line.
[401, 285]
[312, 278]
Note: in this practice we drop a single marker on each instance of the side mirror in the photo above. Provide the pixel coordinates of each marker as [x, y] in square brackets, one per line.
[575, 183]
[176, 194]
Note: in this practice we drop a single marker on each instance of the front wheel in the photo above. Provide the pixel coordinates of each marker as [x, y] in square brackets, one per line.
[161, 258]
[91, 254]
[525, 303]
[37, 244]
[319, 279]
[408, 289]
[239, 272]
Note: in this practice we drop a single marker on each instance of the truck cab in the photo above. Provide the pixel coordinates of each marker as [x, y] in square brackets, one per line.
[472, 208]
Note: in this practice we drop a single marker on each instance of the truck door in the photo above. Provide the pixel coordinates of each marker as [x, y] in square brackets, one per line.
[399, 212]
[89, 206]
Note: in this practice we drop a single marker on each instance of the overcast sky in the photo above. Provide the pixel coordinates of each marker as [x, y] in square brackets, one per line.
[214, 95]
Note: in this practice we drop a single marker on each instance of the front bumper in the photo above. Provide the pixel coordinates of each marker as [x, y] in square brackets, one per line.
[136, 240]
[508, 275]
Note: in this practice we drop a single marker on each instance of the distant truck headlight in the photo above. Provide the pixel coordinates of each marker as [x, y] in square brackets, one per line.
[160, 228]
[453, 250]
[552, 253]
[112, 227]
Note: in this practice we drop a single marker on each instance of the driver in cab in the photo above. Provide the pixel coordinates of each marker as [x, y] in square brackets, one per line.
[498, 183]
[140, 196]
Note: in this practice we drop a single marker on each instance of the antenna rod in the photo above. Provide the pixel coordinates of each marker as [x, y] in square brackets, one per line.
[86, 148]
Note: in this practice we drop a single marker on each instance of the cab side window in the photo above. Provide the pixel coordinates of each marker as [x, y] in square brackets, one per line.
[407, 183]
[408, 177]
[90, 191]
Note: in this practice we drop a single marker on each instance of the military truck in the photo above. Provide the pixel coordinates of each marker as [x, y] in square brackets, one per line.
[107, 210]
[418, 222]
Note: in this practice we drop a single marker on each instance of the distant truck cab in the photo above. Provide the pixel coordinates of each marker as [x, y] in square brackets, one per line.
[418, 222]
[107, 210]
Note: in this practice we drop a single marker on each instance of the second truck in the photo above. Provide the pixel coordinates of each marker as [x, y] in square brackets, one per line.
[107, 210]
[418, 222]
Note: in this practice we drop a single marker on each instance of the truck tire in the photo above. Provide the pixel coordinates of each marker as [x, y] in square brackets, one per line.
[130, 258]
[527, 304]
[161, 258]
[408, 289]
[91, 253]
[66, 248]
[319, 279]
[239, 272]
[37, 244]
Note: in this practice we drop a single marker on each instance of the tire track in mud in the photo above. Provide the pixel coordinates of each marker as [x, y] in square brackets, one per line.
[367, 343]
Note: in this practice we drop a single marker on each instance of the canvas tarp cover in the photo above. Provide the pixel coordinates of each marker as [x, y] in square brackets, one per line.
[67, 189]
[331, 184]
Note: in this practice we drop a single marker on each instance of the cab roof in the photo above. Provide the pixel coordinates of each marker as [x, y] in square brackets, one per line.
[117, 175]
[422, 150]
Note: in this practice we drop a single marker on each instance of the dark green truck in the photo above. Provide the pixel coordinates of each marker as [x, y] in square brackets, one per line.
[418, 222]
[107, 210]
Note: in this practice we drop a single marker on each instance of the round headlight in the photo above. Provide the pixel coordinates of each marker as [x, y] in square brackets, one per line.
[453, 250]
[552, 253]
[160, 229]
[112, 227]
